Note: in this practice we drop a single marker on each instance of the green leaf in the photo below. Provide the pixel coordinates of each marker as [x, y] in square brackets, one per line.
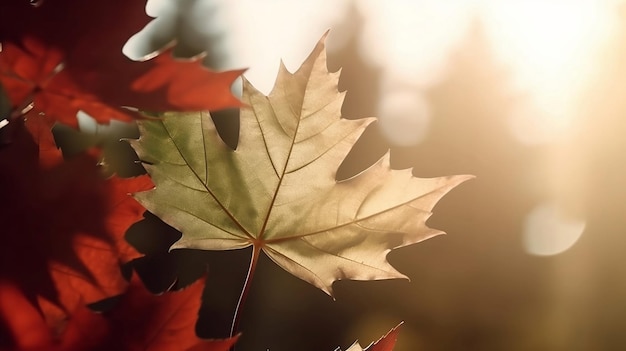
[277, 191]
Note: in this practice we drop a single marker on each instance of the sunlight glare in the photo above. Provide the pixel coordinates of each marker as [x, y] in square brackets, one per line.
[262, 33]
[547, 231]
[550, 47]
[404, 116]
[411, 41]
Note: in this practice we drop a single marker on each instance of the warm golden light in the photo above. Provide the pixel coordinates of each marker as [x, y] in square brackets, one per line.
[528, 95]
[548, 232]
[550, 48]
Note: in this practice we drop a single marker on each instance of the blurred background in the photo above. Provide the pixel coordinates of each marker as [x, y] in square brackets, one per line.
[529, 96]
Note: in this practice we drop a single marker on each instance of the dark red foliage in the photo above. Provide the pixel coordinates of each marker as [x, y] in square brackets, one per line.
[36, 73]
[62, 222]
[66, 55]
[139, 321]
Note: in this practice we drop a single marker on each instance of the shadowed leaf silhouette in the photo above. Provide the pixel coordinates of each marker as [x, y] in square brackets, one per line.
[277, 192]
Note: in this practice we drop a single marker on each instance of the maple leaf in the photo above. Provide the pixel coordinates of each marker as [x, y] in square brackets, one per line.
[277, 192]
[166, 323]
[65, 56]
[62, 223]
[385, 343]
[35, 73]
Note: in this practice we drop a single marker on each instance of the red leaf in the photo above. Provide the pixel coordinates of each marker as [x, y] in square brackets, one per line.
[63, 224]
[387, 342]
[79, 36]
[165, 322]
[21, 316]
[35, 73]
[186, 85]
[140, 321]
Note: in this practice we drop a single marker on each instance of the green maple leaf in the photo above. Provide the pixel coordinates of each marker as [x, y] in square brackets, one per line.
[277, 192]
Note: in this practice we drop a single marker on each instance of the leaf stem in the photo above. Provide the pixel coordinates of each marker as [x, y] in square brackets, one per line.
[256, 251]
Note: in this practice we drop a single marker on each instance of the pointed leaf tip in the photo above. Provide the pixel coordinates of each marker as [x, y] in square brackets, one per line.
[386, 343]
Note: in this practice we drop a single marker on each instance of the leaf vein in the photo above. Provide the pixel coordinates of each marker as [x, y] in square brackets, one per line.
[228, 213]
[355, 221]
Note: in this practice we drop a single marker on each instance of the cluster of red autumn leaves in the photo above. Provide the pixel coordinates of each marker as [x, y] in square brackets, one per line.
[62, 223]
